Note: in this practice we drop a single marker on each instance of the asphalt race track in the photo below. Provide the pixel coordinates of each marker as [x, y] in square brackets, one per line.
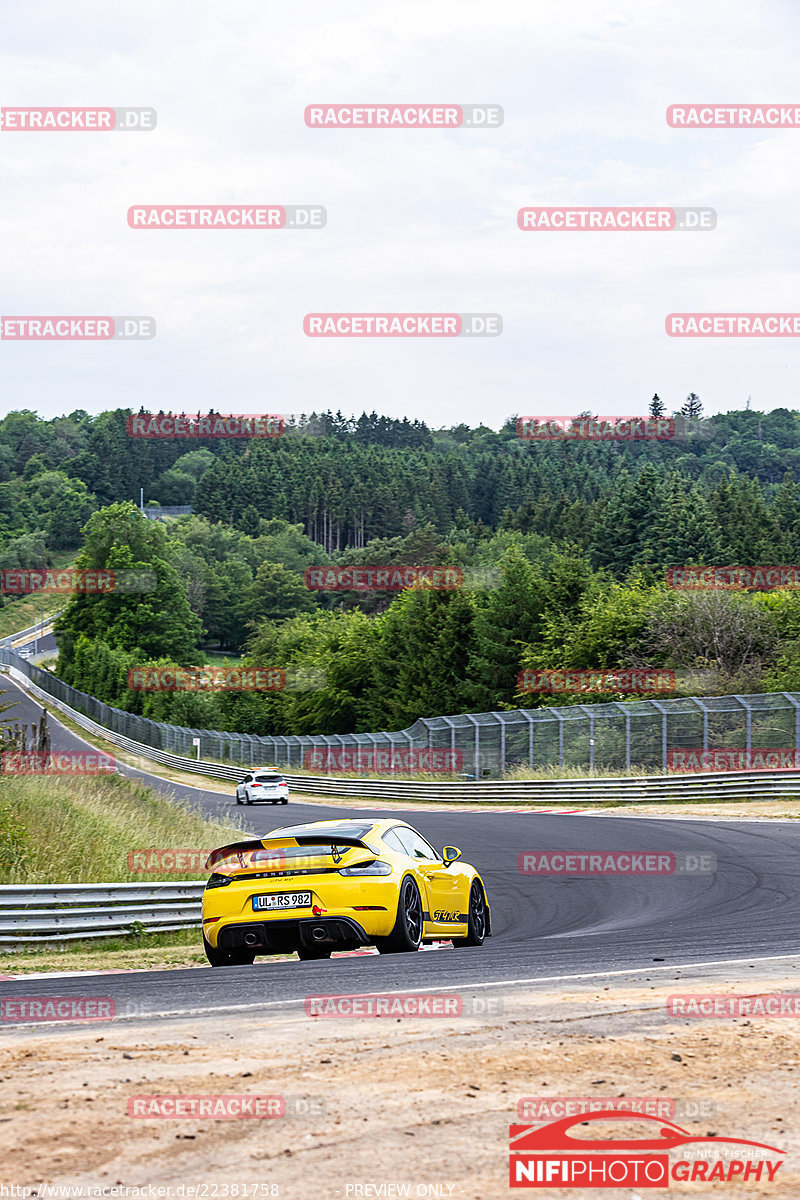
[543, 928]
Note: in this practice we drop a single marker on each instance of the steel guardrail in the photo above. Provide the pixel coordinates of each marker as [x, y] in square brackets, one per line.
[756, 785]
[33, 914]
[7, 643]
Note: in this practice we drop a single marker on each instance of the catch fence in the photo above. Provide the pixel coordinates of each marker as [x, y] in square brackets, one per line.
[616, 736]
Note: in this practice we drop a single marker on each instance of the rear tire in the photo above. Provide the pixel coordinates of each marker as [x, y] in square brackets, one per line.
[284, 801]
[238, 798]
[406, 936]
[308, 953]
[476, 926]
[247, 798]
[219, 958]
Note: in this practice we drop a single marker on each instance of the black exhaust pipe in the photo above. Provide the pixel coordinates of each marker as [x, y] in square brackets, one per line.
[319, 933]
[251, 939]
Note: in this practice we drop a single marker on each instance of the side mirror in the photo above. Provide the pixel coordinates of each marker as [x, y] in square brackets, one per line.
[450, 854]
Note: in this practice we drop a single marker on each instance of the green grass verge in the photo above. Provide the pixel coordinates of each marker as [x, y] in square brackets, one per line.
[70, 830]
[150, 952]
[27, 610]
[81, 830]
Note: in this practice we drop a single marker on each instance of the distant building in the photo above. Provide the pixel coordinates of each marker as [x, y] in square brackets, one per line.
[157, 512]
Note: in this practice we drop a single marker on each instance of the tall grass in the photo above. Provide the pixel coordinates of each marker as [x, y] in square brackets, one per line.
[581, 772]
[27, 610]
[68, 830]
[512, 774]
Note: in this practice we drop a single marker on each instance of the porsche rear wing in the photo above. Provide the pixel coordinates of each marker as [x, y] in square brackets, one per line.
[314, 839]
[261, 850]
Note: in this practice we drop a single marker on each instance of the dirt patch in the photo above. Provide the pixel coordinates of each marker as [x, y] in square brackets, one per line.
[417, 1102]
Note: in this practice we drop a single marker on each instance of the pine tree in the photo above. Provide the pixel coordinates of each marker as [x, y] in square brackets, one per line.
[693, 406]
[657, 407]
[509, 619]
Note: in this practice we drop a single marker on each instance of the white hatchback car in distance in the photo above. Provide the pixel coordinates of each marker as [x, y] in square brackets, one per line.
[263, 785]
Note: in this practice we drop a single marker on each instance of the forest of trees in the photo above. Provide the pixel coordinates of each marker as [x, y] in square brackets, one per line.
[564, 548]
[375, 660]
[725, 487]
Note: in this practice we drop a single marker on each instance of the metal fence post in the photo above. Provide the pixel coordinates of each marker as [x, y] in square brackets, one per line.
[748, 720]
[663, 712]
[792, 701]
[627, 717]
[529, 719]
[476, 727]
[451, 726]
[502, 742]
[696, 700]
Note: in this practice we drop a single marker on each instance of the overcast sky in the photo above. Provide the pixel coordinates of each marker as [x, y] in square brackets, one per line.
[417, 220]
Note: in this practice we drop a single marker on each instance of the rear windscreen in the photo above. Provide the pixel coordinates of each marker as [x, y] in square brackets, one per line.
[269, 779]
[351, 829]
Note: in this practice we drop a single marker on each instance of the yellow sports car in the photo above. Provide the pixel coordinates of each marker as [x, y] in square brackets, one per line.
[338, 885]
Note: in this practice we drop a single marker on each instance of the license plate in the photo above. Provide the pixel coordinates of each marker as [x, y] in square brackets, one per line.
[282, 900]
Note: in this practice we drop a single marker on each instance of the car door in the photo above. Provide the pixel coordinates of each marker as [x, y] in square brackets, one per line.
[240, 790]
[443, 903]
